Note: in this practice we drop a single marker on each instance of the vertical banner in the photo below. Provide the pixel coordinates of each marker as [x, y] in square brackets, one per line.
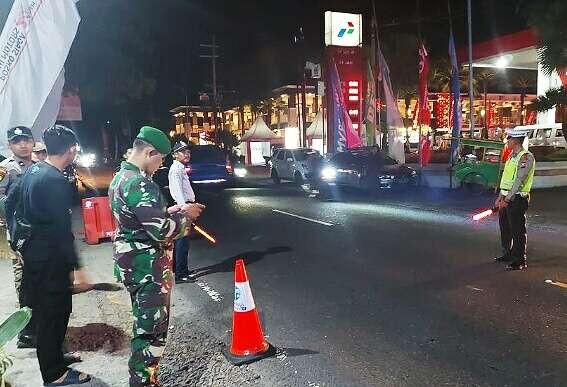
[34, 45]
[344, 135]
[456, 94]
[423, 115]
[393, 116]
[370, 111]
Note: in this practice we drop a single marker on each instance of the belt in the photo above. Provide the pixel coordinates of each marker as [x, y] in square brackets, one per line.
[522, 194]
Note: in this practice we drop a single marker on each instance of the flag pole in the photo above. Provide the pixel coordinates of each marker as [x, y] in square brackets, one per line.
[452, 155]
[471, 92]
[375, 45]
[419, 104]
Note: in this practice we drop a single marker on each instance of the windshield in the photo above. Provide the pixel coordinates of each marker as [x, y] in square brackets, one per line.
[207, 154]
[302, 155]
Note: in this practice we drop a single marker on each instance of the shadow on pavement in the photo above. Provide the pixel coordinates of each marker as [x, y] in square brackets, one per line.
[250, 257]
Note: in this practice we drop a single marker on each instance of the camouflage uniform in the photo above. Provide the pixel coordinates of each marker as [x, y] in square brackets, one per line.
[11, 169]
[143, 259]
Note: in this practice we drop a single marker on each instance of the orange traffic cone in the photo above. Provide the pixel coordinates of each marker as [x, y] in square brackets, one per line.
[248, 343]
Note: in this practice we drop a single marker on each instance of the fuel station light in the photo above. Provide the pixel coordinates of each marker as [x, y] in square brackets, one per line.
[353, 97]
[353, 84]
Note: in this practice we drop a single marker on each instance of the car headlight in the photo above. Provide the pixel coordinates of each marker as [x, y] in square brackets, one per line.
[329, 173]
[413, 172]
[240, 172]
[86, 160]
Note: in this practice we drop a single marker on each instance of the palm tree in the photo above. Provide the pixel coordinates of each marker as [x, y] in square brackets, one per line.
[484, 76]
[524, 84]
[440, 77]
[548, 17]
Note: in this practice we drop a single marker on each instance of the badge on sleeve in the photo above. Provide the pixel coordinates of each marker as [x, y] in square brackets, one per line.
[3, 173]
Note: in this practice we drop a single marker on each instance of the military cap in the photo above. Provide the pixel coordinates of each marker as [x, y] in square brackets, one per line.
[18, 131]
[156, 138]
[180, 146]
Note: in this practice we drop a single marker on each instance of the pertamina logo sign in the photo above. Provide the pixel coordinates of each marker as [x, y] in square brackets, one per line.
[348, 30]
[343, 29]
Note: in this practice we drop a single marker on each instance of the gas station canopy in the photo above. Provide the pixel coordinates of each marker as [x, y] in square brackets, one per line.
[512, 51]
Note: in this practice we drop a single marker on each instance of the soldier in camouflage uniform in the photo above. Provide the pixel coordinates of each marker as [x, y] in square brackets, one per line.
[21, 142]
[142, 249]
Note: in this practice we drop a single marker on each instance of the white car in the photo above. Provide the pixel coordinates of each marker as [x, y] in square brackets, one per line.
[292, 164]
[545, 135]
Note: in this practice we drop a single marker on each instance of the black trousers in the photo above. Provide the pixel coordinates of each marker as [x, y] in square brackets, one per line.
[47, 289]
[513, 233]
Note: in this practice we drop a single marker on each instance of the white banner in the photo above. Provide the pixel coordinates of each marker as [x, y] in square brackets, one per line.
[34, 45]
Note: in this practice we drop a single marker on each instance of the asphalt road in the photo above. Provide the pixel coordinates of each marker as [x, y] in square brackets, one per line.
[395, 290]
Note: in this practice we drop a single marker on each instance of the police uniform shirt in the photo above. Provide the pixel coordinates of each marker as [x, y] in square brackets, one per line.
[12, 167]
[179, 185]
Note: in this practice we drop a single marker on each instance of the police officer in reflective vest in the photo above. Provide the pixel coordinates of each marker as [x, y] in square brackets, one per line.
[513, 201]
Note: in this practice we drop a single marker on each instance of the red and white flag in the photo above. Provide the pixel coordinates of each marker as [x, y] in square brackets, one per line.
[34, 45]
[424, 115]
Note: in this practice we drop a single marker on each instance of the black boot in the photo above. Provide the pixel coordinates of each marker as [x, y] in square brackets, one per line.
[26, 340]
[503, 258]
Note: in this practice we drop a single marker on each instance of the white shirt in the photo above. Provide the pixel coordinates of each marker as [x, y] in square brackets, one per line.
[179, 185]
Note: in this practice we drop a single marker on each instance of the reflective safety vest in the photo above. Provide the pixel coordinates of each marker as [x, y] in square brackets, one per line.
[510, 171]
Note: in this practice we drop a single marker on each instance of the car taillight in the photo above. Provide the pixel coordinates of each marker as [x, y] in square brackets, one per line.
[229, 168]
[188, 170]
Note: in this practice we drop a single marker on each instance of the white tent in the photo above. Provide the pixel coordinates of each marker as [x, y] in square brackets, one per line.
[315, 130]
[259, 131]
[257, 142]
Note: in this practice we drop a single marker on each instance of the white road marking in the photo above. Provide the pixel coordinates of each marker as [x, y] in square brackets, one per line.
[473, 288]
[304, 218]
[215, 296]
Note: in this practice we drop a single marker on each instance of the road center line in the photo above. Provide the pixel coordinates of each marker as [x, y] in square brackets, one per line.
[304, 218]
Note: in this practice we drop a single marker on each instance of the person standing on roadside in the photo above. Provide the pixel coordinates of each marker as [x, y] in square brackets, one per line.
[21, 143]
[145, 231]
[513, 201]
[52, 266]
[182, 193]
[39, 152]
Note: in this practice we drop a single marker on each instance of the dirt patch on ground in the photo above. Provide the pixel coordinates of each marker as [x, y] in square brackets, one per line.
[194, 358]
[95, 337]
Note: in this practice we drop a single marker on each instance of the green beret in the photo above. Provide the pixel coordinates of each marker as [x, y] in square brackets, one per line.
[155, 137]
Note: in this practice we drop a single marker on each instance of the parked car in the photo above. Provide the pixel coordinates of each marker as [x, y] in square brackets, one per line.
[293, 164]
[364, 169]
[546, 135]
[209, 165]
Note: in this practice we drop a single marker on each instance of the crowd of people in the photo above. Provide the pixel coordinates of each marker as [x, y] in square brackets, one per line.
[150, 248]
[151, 244]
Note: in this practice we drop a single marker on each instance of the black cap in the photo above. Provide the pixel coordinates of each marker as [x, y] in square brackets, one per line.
[180, 146]
[19, 131]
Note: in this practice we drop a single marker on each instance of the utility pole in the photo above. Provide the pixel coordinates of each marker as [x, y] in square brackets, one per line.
[471, 91]
[213, 57]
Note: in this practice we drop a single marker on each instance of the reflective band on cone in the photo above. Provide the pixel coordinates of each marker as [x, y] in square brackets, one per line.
[248, 343]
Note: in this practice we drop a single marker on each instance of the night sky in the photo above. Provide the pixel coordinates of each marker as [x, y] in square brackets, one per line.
[256, 39]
